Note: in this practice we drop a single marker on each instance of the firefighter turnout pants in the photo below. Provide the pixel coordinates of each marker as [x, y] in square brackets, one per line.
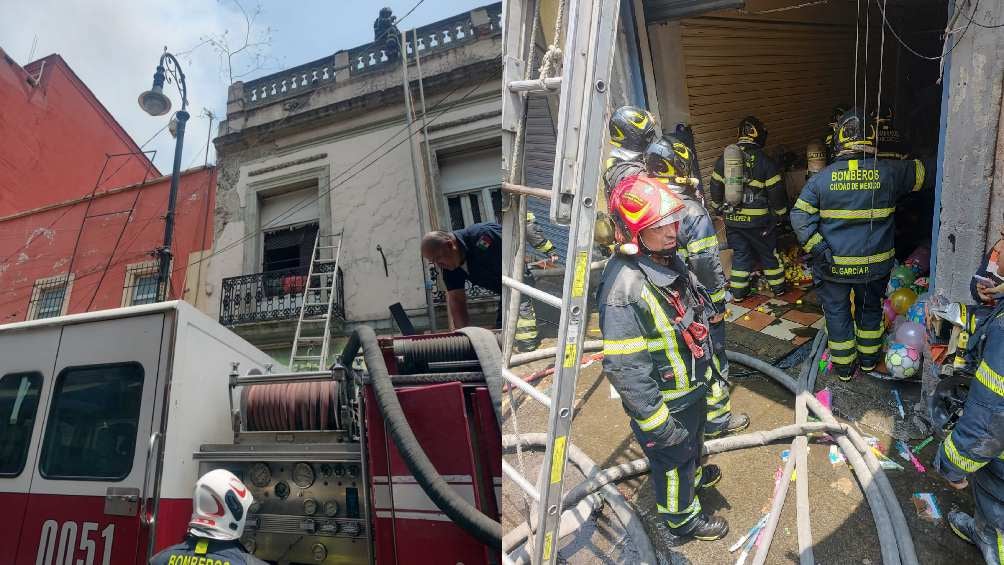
[526, 338]
[752, 246]
[676, 470]
[857, 338]
[719, 402]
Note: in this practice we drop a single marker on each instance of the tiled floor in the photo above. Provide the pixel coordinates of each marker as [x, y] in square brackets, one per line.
[794, 316]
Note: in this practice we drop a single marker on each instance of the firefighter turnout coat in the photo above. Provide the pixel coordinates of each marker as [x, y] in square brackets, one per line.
[767, 200]
[646, 355]
[975, 447]
[847, 211]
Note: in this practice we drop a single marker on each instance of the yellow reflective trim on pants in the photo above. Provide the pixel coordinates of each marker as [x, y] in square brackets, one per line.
[920, 173]
[868, 349]
[735, 284]
[812, 241]
[959, 460]
[526, 322]
[712, 414]
[673, 490]
[753, 212]
[655, 420]
[868, 334]
[990, 378]
[545, 247]
[777, 271]
[844, 359]
[877, 258]
[742, 274]
[841, 345]
[772, 180]
[693, 510]
[702, 244]
[872, 214]
[718, 296]
[775, 282]
[668, 335]
[624, 346]
[806, 207]
[668, 395]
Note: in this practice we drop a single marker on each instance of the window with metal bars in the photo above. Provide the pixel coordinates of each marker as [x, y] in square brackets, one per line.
[48, 298]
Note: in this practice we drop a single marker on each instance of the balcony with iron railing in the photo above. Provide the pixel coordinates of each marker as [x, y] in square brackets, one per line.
[274, 296]
[371, 58]
[474, 293]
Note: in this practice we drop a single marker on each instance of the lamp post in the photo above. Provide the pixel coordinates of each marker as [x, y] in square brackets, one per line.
[155, 103]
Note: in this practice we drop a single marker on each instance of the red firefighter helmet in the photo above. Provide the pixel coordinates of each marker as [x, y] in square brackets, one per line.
[639, 202]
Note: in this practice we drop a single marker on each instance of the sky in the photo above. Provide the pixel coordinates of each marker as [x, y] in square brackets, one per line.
[114, 46]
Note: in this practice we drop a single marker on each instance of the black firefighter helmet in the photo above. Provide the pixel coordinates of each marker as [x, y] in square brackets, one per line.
[667, 158]
[632, 128]
[854, 132]
[752, 130]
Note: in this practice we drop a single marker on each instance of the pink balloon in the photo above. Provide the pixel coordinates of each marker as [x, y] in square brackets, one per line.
[911, 334]
[890, 312]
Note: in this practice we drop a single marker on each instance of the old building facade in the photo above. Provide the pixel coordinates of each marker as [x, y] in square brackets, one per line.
[326, 148]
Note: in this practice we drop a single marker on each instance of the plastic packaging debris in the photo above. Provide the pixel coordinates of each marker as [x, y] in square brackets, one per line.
[905, 453]
[884, 461]
[752, 531]
[920, 446]
[825, 397]
[836, 457]
[785, 454]
[899, 403]
[927, 507]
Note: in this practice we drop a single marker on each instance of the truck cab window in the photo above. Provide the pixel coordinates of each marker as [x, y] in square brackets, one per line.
[91, 431]
[18, 403]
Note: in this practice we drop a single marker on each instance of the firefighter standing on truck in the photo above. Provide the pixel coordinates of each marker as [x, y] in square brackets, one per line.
[657, 352]
[844, 218]
[219, 511]
[669, 160]
[752, 198]
[975, 447]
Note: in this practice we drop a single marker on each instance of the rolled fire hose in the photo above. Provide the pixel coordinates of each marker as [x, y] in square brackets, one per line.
[889, 519]
[461, 512]
[624, 512]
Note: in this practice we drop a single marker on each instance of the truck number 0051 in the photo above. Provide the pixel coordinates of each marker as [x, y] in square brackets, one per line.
[58, 545]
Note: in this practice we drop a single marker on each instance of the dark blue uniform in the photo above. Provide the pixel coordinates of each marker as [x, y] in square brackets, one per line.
[661, 380]
[202, 551]
[975, 447]
[482, 248]
[844, 217]
[752, 229]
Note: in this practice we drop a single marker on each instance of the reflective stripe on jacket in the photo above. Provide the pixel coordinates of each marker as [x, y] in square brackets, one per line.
[646, 356]
[851, 205]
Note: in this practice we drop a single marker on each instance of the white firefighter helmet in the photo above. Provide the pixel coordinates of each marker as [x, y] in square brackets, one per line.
[219, 506]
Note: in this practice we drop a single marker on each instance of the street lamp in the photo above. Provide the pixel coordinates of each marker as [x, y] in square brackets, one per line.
[156, 103]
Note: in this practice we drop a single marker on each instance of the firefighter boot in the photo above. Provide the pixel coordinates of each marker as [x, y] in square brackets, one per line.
[710, 475]
[707, 528]
[963, 525]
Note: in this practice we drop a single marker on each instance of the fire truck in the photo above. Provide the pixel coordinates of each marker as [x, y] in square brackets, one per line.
[108, 418]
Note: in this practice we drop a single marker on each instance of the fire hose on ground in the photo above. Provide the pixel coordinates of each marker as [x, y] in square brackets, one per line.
[461, 512]
[895, 541]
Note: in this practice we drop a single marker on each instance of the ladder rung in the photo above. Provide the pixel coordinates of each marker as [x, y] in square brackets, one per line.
[339, 234]
[328, 246]
[315, 303]
[325, 261]
[316, 288]
[311, 338]
[528, 290]
[314, 320]
[539, 85]
[542, 193]
[306, 357]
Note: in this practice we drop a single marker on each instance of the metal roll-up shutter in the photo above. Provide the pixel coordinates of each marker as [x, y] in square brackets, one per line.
[538, 159]
[790, 75]
[665, 10]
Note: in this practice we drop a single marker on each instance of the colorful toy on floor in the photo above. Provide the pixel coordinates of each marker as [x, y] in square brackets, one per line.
[920, 260]
[903, 361]
[889, 311]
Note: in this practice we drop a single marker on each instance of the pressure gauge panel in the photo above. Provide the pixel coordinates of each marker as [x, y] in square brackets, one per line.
[260, 475]
[303, 475]
[282, 490]
[310, 507]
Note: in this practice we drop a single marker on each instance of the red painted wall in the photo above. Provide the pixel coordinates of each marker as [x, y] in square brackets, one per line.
[54, 138]
[39, 244]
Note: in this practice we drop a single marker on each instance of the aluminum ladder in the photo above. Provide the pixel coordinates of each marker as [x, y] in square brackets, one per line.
[310, 349]
[587, 59]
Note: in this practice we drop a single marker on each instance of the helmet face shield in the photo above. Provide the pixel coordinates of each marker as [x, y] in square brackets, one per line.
[638, 203]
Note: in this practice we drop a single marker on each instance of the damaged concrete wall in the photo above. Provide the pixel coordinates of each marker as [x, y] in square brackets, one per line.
[971, 199]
